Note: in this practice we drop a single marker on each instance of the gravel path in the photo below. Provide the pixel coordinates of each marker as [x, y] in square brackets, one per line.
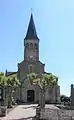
[21, 112]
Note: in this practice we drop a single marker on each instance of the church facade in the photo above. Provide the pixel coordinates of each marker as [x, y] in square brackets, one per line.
[32, 64]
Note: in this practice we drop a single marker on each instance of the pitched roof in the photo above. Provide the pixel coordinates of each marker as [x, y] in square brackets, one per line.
[31, 32]
[10, 73]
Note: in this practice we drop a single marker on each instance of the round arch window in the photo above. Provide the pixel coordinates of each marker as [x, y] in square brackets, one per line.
[31, 45]
[27, 45]
[36, 45]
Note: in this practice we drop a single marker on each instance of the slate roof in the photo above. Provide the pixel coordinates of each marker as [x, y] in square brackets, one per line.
[31, 32]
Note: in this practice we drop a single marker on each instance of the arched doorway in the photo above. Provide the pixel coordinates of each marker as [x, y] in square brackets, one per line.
[30, 95]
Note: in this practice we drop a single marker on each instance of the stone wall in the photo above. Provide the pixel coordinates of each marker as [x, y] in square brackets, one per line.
[27, 86]
[50, 114]
[56, 114]
[51, 94]
[67, 114]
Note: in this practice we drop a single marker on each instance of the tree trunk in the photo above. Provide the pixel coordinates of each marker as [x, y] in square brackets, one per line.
[42, 98]
[10, 97]
[14, 97]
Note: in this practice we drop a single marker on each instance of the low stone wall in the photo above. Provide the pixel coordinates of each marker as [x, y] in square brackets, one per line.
[56, 114]
[49, 114]
[3, 111]
[67, 114]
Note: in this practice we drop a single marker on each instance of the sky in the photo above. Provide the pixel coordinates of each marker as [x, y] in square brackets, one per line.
[54, 21]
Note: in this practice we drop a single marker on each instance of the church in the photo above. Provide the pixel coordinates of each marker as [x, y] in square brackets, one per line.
[32, 64]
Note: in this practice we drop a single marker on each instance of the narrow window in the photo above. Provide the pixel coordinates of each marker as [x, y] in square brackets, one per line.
[36, 46]
[31, 45]
[30, 69]
[27, 45]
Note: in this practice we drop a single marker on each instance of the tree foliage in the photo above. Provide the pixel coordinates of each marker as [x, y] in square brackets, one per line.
[13, 81]
[3, 79]
[9, 80]
[43, 81]
[64, 98]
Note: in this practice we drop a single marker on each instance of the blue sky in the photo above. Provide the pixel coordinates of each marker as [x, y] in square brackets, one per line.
[54, 21]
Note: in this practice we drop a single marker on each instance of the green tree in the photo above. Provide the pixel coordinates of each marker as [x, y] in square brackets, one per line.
[64, 98]
[3, 84]
[44, 81]
[3, 79]
[12, 83]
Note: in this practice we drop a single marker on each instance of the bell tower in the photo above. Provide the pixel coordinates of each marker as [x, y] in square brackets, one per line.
[31, 42]
[31, 62]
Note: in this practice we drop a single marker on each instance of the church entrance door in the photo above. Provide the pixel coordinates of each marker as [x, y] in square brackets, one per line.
[30, 95]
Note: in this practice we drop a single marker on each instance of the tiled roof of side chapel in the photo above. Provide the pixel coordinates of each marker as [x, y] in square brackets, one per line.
[31, 32]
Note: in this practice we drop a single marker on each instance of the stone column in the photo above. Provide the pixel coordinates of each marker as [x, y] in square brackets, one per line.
[58, 93]
[53, 95]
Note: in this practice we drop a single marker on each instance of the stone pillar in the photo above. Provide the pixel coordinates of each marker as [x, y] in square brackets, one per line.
[58, 94]
[53, 95]
[72, 94]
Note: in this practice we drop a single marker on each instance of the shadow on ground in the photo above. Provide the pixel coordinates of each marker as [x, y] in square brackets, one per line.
[34, 107]
[28, 118]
